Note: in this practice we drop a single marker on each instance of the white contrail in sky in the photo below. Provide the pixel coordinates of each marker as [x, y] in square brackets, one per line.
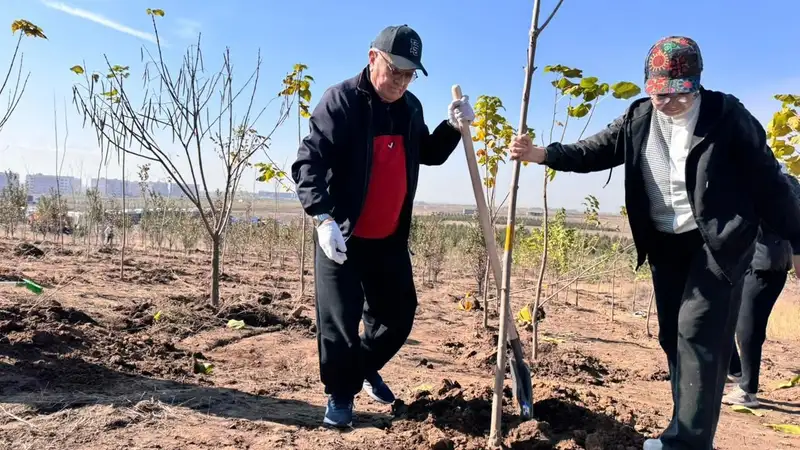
[97, 18]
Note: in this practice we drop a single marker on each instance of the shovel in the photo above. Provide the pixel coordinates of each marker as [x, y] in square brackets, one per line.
[28, 284]
[520, 373]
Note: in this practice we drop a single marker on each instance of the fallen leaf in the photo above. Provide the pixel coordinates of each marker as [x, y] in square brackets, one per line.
[795, 381]
[236, 324]
[203, 367]
[746, 410]
[785, 428]
[465, 304]
[524, 315]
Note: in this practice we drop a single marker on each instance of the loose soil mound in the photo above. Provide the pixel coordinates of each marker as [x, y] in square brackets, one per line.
[182, 316]
[480, 352]
[58, 348]
[154, 276]
[449, 416]
[64, 348]
[25, 249]
[576, 367]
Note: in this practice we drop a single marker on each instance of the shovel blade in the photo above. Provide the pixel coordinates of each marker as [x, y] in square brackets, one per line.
[521, 385]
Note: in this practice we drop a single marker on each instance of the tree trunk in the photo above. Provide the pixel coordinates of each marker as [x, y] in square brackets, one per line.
[302, 217]
[613, 285]
[302, 256]
[486, 282]
[535, 309]
[215, 273]
[124, 222]
[649, 308]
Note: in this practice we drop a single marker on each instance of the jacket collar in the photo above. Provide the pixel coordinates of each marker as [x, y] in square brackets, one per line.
[712, 109]
[363, 84]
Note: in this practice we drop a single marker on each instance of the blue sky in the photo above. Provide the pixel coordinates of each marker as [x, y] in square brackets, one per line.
[746, 51]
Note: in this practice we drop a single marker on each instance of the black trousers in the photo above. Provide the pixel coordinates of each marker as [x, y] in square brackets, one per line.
[759, 293]
[697, 312]
[375, 284]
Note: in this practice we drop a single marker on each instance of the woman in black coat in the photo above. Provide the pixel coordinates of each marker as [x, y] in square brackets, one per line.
[699, 179]
[763, 284]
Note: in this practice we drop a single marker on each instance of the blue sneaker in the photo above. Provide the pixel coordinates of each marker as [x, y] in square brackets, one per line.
[378, 390]
[339, 412]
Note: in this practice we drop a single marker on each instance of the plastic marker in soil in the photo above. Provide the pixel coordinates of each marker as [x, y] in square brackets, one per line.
[28, 284]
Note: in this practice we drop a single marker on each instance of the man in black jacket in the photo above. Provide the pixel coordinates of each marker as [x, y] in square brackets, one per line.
[763, 284]
[356, 174]
[699, 178]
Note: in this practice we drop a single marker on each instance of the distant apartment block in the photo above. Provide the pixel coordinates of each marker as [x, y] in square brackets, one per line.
[41, 184]
[159, 187]
[176, 192]
[112, 187]
[5, 178]
[281, 195]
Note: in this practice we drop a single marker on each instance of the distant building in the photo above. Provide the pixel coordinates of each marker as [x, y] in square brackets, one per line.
[469, 211]
[112, 187]
[160, 188]
[40, 184]
[288, 196]
[176, 192]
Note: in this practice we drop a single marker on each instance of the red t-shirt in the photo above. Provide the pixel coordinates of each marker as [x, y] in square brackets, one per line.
[387, 189]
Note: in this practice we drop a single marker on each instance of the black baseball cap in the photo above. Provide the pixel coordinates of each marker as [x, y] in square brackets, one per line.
[403, 46]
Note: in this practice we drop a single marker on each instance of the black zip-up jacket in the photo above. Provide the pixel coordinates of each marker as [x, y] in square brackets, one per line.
[773, 253]
[733, 179]
[333, 162]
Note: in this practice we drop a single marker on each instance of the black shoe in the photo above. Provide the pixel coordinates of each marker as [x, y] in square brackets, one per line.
[378, 390]
[339, 412]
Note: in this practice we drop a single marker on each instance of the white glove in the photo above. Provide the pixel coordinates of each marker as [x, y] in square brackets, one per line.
[331, 241]
[460, 110]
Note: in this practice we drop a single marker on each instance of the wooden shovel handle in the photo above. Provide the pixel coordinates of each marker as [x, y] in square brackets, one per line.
[483, 212]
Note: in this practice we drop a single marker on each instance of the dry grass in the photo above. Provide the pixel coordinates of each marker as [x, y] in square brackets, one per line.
[45, 431]
[784, 322]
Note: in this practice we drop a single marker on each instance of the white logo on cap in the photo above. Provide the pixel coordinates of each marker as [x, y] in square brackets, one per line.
[414, 50]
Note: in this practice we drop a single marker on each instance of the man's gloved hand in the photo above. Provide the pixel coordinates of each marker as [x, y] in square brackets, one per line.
[331, 241]
[460, 110]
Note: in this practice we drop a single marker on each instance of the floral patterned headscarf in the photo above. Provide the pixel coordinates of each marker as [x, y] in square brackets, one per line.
[673, 66]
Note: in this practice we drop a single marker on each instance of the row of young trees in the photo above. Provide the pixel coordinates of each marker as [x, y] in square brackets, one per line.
[196, 108]
[439, 244]
[190, 122]
[202, 109]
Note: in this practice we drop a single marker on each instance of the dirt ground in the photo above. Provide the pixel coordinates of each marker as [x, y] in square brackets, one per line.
[86, 365]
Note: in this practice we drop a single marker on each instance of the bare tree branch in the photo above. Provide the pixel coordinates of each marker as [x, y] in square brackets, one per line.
[549, 18]
[178, 106]
[16, 95]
